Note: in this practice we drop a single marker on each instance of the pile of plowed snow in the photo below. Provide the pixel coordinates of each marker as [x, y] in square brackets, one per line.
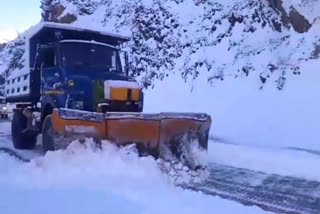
[86, 179]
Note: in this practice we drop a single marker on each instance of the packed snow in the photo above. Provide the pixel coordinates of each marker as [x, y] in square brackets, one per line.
[82, 179]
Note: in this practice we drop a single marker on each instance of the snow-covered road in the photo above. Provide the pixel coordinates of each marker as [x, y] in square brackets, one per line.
[80, 180]
[281, 194]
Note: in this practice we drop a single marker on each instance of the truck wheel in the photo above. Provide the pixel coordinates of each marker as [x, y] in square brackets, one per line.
[21, 139]
[47, 135]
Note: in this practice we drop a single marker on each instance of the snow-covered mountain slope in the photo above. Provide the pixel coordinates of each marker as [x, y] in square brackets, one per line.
[229, 38]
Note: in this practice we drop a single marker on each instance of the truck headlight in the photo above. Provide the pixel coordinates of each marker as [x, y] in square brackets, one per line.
[4, 108]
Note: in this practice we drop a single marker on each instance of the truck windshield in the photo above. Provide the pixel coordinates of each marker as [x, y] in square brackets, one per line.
[80, 54]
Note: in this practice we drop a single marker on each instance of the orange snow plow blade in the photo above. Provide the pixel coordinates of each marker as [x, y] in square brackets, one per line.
[171, 136]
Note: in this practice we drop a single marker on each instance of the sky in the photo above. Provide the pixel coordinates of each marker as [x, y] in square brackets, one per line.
[17, 16]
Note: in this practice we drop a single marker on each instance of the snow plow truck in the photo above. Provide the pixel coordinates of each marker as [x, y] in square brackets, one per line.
[75, 84]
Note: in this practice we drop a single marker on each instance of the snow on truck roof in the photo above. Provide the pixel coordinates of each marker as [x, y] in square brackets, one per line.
[33, 31]
[46, 32]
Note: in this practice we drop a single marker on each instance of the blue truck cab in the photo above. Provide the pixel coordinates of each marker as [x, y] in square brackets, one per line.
[73, 75]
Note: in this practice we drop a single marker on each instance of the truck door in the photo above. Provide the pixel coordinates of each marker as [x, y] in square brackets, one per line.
[52, 80]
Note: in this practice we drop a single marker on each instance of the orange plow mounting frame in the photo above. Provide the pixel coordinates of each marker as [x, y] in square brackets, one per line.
[161, 135]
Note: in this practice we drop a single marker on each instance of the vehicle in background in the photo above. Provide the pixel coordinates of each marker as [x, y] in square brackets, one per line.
[3, 107]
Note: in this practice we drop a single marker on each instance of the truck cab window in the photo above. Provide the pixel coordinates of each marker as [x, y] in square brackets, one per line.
[49, 58]
[88, 56]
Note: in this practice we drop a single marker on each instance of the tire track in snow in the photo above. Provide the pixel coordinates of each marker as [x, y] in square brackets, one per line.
[281, 194]
[14, 154]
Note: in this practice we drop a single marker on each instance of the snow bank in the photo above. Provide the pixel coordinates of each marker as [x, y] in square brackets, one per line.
[84, 180]
[243, 114]
[300, 164]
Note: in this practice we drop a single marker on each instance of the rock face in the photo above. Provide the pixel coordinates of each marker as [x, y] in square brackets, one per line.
[266, 39]
[54, 12]
[292, 17]
[298, 21]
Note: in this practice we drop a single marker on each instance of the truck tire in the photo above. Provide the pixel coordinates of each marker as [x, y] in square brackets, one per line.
[48, 136]
[20, 138]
